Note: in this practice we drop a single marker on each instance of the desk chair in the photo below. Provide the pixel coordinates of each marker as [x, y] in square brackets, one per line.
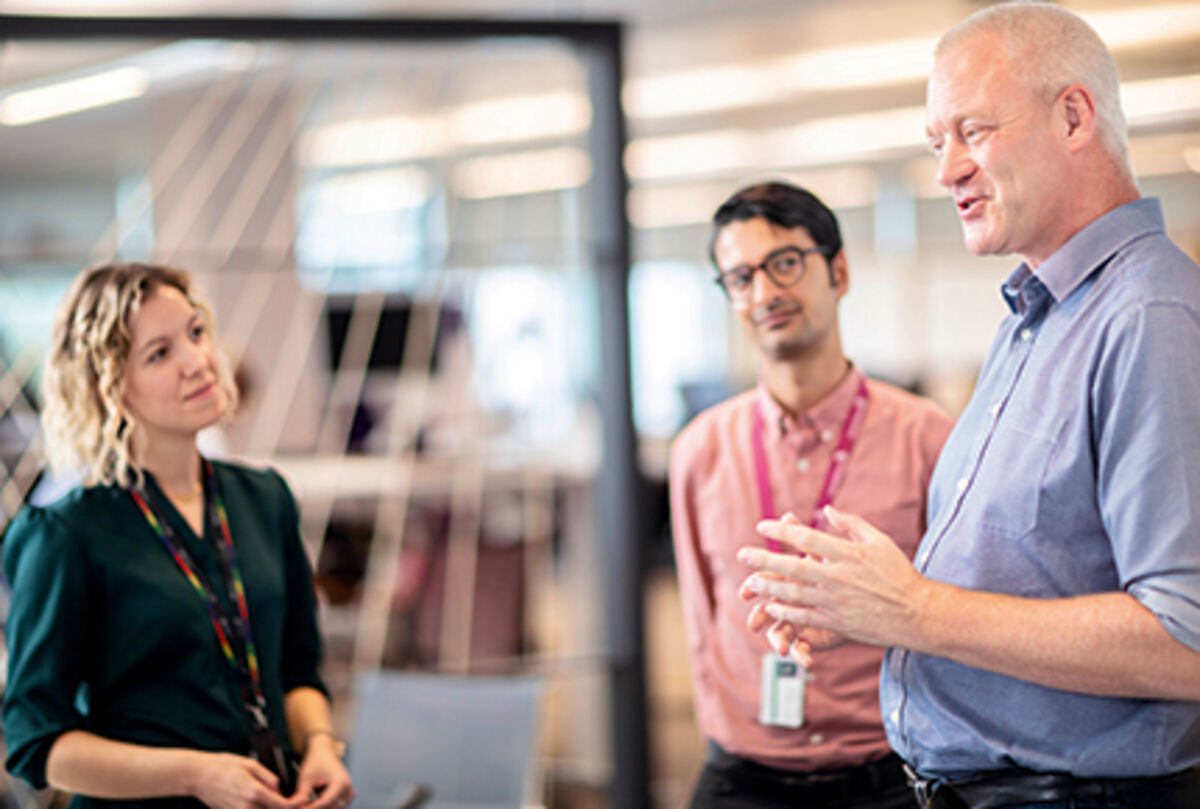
[445, 742]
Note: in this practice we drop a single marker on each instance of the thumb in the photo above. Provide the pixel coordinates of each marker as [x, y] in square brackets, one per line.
[262, 774]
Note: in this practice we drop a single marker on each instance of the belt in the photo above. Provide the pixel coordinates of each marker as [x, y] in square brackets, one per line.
[829, 787]
[1000, 788]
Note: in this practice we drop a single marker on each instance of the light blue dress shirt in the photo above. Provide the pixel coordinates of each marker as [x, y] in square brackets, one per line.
[1074, 469]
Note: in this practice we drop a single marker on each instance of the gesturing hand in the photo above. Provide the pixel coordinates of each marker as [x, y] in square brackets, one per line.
[860, 585]
[786, 638]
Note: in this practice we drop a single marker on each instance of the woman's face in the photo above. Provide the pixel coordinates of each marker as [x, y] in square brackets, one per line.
[171, 381]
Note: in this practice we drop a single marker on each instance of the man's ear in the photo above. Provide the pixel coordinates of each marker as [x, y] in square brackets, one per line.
[839, 273]
[1076, 107]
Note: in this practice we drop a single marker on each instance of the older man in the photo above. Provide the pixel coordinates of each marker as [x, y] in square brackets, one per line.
[1046, 644]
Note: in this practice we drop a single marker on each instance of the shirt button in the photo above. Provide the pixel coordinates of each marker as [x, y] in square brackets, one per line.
[923, 559]
[962, 484]
[817, 738]
[827, 436]
[894, 717]
[994, 409]
[1027, 334]
[802, 465]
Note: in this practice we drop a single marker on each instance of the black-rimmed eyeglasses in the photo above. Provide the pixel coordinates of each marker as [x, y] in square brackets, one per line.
[784, 267]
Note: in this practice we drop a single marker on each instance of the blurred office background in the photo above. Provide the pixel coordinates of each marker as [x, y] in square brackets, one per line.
[463, 275]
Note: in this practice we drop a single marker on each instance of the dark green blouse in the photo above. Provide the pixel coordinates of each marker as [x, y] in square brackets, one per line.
[105, 633]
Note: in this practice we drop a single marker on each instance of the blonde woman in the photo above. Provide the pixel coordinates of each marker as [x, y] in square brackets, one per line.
[162, 635]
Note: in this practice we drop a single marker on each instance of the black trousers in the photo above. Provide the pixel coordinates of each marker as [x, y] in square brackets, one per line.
[1024, 789]
[731, 782]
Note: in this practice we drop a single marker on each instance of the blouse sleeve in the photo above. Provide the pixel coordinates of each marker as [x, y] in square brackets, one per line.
[302, 638]
[47, 635]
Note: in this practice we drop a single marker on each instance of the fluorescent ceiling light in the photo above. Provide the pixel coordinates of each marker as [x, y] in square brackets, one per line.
[691, 155]
[371, 141]
[690, 92]
[865, 136]
[871, 65]
[1126, 27]
[1159, 100]
[398, 138]
[823, 141]
[667, 206]
[521, 173]
[75, 95]
[365, 192]
[690, 204]
[832, 140]
[519, 118]
[839, 187]
[196, 59]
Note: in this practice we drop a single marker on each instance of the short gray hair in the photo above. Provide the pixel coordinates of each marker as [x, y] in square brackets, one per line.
[1052, 48]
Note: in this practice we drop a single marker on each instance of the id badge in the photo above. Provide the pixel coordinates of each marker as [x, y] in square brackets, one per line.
[781, 692]
[265, 749]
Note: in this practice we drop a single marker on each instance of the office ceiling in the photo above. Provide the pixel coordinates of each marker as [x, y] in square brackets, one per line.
[664, 37]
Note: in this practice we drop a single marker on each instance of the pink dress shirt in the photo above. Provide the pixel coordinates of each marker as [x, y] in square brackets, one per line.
[714, 508]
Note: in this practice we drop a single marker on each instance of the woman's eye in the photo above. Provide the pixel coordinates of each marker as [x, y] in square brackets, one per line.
[157, 355]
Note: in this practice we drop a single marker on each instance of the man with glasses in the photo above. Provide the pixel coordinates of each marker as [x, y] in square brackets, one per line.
[815, 431]
[1046, 645]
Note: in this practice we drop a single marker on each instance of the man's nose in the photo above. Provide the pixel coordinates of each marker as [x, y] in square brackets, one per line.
[954, 165]
[764, 286]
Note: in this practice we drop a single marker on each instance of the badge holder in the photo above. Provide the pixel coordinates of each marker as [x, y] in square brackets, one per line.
[266, 750]
[781, 692]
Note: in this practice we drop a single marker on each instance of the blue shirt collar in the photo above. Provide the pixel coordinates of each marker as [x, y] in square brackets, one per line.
[1079, 257]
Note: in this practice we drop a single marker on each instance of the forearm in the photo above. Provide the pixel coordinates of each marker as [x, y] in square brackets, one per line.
[1104, 644]
[88, 764]
[308, 717]
[862, 586]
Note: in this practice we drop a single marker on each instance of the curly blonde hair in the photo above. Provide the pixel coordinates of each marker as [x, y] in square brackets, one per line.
[86, 424]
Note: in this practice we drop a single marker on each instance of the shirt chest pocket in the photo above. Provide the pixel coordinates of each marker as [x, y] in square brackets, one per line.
[1012, 474]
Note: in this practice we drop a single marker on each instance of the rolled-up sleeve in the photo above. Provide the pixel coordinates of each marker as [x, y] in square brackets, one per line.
[46, 632]
[1148, 446]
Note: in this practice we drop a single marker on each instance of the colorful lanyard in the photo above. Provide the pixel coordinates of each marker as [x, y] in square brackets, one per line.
[228, 631]
[837, 464]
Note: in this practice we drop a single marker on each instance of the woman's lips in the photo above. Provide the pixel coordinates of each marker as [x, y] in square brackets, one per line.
[200, 393]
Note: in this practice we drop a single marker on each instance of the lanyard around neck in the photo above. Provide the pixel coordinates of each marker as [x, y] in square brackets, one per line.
[229, 631]
[837, 463]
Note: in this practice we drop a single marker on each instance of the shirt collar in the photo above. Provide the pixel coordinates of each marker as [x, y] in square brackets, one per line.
[1079, 257]
[829, 413]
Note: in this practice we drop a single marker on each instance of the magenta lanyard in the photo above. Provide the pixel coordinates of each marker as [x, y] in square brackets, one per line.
[837, 464]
